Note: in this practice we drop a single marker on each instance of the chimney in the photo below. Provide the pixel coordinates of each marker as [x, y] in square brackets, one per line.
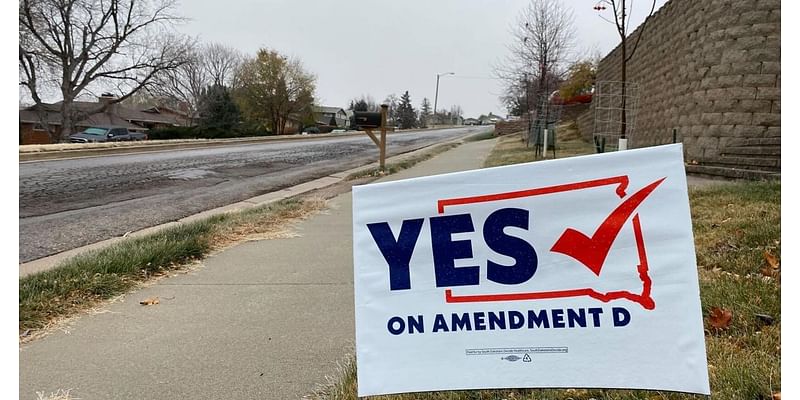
[106, 98]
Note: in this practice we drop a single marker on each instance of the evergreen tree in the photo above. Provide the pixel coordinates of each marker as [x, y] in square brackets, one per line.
[363, 103]
[359, 105]
[217, 109]
[424, 113]
[406, 116]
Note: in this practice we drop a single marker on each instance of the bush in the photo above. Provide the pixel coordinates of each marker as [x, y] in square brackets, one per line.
[182, 132]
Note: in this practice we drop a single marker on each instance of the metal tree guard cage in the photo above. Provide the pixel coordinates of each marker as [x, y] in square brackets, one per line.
[608, 105]
[545, 117]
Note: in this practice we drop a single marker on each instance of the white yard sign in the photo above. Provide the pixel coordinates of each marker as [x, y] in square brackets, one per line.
[577, 272]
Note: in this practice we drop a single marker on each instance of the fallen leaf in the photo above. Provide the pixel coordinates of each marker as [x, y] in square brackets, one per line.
[719, 318]
[772, 260]
[772, 267]
[149, 301]
[776, 396]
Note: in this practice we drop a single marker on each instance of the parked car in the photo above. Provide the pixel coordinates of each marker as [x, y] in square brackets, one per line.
[311, 129]
[97, 134]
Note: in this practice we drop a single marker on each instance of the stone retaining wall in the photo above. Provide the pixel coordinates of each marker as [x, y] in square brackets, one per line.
[708, 69]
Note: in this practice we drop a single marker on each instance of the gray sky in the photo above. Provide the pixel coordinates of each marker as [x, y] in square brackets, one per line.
[380, 47]
[377, 48]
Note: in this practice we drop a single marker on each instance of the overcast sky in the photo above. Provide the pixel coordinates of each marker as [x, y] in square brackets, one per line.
[378, 47]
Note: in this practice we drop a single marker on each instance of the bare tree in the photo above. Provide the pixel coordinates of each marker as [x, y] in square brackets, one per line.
[221, 63]
[72, 46]
[207, 66]
[391, 114]
[621, 20]
[182, 87]
[538, 54]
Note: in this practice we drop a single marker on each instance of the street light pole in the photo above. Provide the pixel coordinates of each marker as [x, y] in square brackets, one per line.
[436, 97]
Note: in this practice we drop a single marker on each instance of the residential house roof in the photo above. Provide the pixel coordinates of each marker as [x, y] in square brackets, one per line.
[327, 109]
[92, 113]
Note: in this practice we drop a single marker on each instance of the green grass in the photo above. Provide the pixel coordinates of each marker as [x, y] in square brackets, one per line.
[730, 223]
[84, 280]
[734, 224]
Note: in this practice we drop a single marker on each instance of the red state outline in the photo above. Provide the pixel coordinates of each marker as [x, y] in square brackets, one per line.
[644, 299]
[621, 181]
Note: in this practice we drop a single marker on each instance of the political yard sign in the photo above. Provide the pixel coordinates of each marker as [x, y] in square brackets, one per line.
[570, 273]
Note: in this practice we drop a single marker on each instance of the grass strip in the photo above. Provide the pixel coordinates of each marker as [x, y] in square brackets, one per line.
[734, 225]
[80, 282]
[405, 163]
[511, 149]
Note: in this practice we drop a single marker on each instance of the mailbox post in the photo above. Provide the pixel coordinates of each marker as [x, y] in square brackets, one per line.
[371, 120]
[384, 111]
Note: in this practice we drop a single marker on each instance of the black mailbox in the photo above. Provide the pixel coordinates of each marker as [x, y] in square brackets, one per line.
[364, 119]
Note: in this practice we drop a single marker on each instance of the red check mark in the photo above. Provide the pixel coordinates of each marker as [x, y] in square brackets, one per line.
[592, 252]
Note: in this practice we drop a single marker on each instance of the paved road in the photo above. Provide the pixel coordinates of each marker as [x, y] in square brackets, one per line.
[70, 203]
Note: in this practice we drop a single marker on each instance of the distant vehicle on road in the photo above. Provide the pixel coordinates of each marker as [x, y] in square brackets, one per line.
[99, 134]
[311, 129]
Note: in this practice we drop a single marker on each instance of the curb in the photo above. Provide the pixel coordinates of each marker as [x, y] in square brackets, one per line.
[56, 155]
[51, 261]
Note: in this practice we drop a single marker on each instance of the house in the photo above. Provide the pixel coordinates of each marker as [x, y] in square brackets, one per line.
[183, 117]
[490, 119]
[294, 124]
[334, 117]
[34, 121]
[446, 119]
[350, 115]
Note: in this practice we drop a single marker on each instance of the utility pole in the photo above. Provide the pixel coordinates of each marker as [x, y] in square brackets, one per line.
[436, 97]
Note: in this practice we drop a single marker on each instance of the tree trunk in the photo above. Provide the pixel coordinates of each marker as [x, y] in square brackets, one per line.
[67, 122]
[623, 119]
[624, 116]
[273, 123]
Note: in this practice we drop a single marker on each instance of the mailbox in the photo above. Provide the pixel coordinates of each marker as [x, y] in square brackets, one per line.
[364, 119]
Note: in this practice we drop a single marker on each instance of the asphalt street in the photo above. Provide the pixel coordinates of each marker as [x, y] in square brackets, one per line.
[66, 204]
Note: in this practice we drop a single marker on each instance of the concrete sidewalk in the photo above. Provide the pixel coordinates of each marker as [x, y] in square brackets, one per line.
[267, 319]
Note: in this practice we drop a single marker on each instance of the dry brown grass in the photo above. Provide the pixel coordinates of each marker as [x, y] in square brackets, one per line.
[511, 149]
[403, 163]
[256, 224]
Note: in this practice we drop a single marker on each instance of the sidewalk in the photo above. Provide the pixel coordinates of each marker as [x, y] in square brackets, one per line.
[267, 319]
